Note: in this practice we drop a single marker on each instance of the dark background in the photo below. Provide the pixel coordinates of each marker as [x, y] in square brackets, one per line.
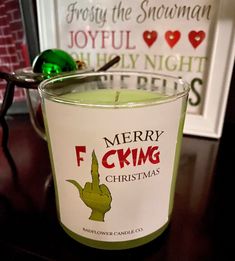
[230, 112]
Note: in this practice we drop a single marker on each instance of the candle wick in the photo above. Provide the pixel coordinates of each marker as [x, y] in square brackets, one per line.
[117, 96]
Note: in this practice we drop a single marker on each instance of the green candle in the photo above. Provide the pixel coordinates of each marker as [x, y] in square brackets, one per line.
[114, 141]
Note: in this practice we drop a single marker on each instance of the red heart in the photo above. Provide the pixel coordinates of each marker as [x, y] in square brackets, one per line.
[195, 38]
[172, 38]
[150, 37]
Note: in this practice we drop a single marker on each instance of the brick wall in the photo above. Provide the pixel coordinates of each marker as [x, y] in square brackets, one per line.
[12, 47]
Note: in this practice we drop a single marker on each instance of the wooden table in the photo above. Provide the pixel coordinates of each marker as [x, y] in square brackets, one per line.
[201, 226]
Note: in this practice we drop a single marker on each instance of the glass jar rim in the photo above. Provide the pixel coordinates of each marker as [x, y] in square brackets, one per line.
[46, 89]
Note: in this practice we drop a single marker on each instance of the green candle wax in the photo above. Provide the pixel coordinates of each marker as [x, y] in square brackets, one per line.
[112, 97]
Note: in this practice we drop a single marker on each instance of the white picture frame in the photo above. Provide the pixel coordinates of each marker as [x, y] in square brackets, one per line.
[207, 123]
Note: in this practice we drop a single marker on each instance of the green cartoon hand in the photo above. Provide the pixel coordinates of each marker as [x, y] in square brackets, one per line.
[95, 196]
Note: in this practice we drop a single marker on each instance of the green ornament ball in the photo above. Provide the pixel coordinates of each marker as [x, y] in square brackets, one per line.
[53, 61]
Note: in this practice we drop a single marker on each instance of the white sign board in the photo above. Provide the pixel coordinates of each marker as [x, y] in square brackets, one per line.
[188, 39]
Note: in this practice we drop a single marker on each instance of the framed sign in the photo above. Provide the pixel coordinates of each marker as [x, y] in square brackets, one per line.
[187, 39]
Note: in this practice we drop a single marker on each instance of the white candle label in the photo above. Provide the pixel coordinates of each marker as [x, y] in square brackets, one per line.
[113, 167]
